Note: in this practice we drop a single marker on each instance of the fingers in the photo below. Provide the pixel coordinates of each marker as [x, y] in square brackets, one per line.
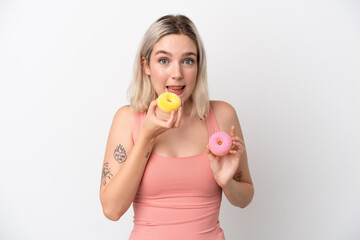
[152, 107]
[173, 120]
[232, 131]
[207, 149]
[211, 156]
[234, 137]
[237, 139]
[237, 146]
[170, 122]
[233, 151]
[178, 117]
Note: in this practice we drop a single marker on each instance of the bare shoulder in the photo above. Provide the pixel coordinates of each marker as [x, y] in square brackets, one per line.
[225, 115]
[221, 107]
[223, 111]
[119, 143]
[124, 115]
[120, 135]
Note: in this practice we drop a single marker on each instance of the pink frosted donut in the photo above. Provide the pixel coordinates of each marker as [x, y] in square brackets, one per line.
[220, 143]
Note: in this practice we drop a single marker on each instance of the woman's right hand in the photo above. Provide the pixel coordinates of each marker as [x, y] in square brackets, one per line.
[153, 126]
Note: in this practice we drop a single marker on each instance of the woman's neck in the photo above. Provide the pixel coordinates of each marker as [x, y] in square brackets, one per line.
[187, 107]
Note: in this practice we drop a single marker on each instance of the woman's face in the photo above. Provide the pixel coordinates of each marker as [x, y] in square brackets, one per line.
[173, 65]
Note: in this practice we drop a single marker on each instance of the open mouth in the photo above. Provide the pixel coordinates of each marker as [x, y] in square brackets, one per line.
[176, 89]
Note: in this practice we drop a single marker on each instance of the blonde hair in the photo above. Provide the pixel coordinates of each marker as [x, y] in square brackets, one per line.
[141, 91]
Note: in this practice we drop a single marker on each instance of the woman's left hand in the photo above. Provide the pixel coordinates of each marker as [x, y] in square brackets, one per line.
[225, 167]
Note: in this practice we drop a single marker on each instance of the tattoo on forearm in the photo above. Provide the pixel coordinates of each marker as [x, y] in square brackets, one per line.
[120, 154]
[147, 154]
[238, 176]
[106, 174]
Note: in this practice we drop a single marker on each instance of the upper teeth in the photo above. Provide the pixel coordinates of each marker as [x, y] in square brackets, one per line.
[177, 89]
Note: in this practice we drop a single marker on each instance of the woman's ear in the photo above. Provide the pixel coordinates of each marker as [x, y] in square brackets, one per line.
[145, 66]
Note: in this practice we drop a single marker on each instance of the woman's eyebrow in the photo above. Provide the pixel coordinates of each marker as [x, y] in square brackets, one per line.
[167, 53]
[190, 53]
[162, 52]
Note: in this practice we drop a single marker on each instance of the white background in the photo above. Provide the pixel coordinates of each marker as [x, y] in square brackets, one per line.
[290, 68]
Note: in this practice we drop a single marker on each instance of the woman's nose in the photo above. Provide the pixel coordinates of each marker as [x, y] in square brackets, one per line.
[176, 71]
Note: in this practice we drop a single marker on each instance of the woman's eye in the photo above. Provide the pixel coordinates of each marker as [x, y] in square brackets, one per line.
[188, 61]
[163, 61]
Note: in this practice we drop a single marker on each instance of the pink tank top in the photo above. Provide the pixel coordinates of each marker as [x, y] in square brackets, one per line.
[178, 198]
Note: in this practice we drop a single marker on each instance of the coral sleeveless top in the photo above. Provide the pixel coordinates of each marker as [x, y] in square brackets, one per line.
[178, 198]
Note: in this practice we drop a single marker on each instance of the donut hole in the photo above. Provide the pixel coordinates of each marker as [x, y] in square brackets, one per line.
[169, 100]
[219, 142]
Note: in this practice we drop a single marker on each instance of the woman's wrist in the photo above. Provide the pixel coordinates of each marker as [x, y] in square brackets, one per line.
[149, 141]
[227, 185]
[238, 193]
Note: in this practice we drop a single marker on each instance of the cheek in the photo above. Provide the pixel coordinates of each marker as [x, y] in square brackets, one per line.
[191, 76]
[158, 73]
[158, 79]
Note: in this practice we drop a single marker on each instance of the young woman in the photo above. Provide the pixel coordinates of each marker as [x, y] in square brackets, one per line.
[160, 162]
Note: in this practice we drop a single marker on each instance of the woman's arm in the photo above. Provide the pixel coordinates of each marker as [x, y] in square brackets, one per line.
[125, 161]
[117, 190]
[232, 171]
